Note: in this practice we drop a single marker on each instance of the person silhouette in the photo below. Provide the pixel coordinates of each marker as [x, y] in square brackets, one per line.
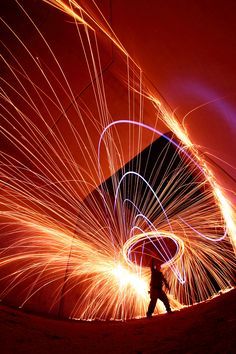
[156, 292]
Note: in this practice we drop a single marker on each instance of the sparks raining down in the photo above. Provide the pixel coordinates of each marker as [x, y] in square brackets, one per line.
[88, 197]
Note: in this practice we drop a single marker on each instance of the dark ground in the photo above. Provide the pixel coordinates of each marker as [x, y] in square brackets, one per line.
[209, 327]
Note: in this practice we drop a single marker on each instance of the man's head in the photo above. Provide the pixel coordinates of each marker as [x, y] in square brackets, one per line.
[155, 265]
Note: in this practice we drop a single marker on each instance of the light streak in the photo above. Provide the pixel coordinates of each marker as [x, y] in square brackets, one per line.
[151, 226]
[153, 235]
[71, 246]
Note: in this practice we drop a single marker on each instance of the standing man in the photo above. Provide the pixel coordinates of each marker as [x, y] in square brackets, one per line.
[156, 292]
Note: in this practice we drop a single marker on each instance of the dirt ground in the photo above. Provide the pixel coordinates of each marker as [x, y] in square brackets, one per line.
[208, 327]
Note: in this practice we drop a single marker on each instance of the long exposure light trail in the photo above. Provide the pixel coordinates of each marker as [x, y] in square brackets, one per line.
[151, 226]
[83, 207]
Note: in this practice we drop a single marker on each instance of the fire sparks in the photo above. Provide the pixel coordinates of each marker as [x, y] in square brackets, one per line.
[68, 238]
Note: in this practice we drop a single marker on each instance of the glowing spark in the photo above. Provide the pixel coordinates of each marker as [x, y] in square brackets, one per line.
[73, 245]
[127, 278]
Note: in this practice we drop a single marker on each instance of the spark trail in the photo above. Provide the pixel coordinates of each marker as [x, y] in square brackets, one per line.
[72, 243]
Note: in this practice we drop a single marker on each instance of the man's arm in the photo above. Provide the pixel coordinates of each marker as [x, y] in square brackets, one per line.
[165, 282]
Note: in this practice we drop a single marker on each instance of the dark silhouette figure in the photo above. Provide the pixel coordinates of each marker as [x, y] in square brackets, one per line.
[156, 292]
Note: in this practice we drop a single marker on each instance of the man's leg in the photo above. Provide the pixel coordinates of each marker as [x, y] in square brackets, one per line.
[163, 297]
[152, 304]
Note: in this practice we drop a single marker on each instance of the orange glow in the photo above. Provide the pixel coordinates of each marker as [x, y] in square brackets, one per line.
[69, 247]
